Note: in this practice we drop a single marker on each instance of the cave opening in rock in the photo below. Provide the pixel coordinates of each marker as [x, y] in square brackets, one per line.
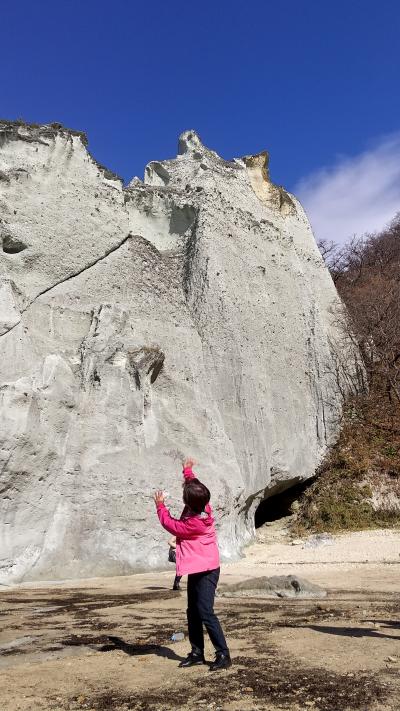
[278, 505]
[11, 245]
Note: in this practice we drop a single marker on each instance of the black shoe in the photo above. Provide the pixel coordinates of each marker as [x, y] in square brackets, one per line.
[222, 661]
[193, 659]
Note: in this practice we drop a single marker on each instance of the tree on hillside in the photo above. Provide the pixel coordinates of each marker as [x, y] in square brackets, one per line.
[366, 272]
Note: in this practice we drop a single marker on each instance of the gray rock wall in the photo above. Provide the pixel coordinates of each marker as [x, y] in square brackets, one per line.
[189, 314]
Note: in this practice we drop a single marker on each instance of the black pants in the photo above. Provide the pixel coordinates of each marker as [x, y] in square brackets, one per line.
[201, 589]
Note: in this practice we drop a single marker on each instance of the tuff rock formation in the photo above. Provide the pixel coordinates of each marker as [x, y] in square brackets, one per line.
[187, 314]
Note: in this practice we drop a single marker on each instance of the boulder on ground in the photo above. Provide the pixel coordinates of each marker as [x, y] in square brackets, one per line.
[274, 586]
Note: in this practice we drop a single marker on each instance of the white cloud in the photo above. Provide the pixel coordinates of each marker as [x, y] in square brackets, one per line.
[356, 195]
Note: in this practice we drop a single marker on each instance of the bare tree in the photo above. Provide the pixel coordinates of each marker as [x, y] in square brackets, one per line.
[366, 272]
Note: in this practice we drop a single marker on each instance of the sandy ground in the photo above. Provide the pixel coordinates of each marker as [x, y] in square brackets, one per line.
[105, 644]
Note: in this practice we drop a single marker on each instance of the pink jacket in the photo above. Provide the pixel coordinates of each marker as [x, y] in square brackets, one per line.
[196, 540]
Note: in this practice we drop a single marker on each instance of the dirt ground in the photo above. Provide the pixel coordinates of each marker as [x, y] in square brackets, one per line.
[105, 644]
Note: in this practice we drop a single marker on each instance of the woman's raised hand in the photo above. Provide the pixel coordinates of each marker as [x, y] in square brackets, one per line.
[188, 463]
[159, 497]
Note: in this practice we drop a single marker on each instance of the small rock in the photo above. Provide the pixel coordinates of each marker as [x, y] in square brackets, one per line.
[249, 689]
[297, 542]
[391, 659]
[178, 637]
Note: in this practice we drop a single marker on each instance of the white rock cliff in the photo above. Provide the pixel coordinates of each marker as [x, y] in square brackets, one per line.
[187, 314]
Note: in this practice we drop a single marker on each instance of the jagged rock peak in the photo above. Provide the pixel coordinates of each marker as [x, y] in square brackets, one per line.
[190, 142]
[44, 134]
[259, 161]
[19, 129]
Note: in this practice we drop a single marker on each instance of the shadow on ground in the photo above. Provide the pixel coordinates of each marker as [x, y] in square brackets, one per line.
[137, 649]
[347, 631]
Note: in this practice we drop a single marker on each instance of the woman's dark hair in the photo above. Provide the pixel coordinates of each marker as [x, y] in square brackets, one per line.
[196, 495]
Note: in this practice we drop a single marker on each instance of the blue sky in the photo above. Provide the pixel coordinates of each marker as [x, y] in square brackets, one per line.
[315, 83]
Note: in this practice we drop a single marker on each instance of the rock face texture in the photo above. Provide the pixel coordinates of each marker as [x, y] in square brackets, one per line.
[187, 314]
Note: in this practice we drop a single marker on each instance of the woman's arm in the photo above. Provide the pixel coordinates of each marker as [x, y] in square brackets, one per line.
[187, 528]
[183, 529]
[187, 469]
[188, 473]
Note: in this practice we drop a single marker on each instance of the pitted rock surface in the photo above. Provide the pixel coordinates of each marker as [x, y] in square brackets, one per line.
[187, 314]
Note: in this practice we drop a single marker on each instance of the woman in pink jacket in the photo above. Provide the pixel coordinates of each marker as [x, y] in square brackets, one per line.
[197, 557]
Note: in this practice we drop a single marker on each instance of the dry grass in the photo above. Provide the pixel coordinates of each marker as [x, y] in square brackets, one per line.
[358, 486]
